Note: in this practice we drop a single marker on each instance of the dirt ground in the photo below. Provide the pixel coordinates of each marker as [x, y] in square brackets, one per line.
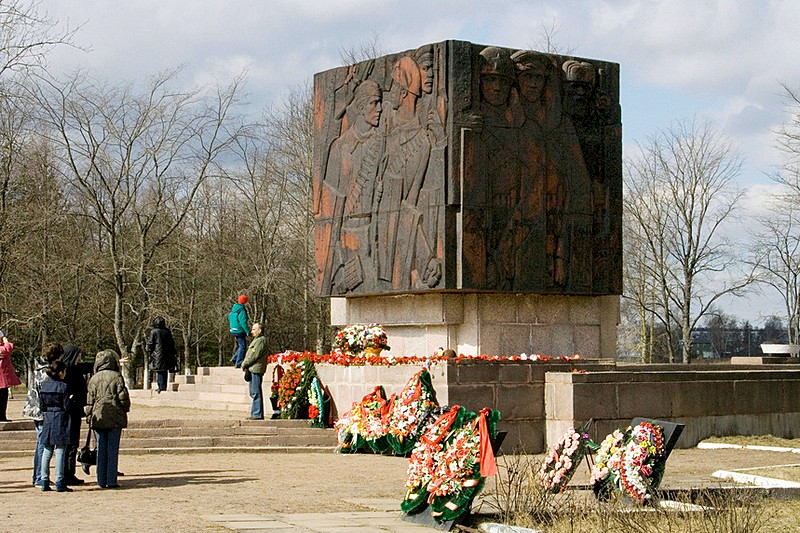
[173, 492]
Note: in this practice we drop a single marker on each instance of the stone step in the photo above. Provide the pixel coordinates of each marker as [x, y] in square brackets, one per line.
[238, 379]
[236, 436]
[168, 398]
[226, 388]
[236, 441]
[228, 371]
[322, 439]
[235, 426]
[200, 449]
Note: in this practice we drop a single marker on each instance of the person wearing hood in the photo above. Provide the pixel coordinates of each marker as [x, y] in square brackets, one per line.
[107, 406]
[163, 355]
[51, 353]
[76, 375]
[237, 319]
[8, 378]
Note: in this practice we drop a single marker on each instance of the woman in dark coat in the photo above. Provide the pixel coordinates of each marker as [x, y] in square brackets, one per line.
[163, 355]
[77, 374]
[54, 403]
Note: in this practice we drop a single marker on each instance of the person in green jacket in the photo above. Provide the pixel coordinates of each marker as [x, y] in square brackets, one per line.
[107, 406]
[256, 362]
[237, 320]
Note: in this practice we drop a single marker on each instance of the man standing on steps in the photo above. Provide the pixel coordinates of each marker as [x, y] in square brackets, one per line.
[237, 319]
[255, 361]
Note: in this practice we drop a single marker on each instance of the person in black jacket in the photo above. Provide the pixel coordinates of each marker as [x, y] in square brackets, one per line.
[54, 402]
[163, 355]
[76, 376]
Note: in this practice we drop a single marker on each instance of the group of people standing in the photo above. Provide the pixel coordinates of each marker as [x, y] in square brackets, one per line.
[60, 397]
[65, 389]
[253, 359]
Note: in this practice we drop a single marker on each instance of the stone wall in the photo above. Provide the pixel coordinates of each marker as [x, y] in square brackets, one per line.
[489, 323]
[516, 389]
[712, 401]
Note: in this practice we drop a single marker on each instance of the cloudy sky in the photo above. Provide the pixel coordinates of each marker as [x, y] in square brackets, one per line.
[722, 60]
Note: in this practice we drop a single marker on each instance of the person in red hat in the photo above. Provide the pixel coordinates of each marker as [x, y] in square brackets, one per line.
[237, 319]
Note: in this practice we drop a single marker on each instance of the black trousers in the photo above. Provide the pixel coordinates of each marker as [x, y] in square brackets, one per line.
[70, 458]
[3, 403]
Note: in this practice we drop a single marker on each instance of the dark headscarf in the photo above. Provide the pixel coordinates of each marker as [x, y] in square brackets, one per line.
[71, 353]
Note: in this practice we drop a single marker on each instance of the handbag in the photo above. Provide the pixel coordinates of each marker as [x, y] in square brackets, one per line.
[86, 455]
[248, 375]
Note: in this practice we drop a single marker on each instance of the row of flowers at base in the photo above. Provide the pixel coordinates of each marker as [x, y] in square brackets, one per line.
[629, 462]
[362, 359]
[388, 424]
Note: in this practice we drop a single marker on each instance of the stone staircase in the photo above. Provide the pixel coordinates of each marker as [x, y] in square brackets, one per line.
[216, 388]
[193, 436]
[169, 427]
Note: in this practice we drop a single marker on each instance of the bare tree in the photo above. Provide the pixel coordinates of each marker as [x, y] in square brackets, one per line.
[788, 143]
[26, 35]
[369, 49]
[777, 245]
[137, 159]
[681, 191]
[547, 40]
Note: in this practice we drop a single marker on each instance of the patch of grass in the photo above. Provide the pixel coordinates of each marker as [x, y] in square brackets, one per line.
[787, 473]
[517, 498]
[784, 516]
[757, 440]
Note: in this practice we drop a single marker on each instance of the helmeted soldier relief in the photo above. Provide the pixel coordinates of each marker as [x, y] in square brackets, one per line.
[457, 166]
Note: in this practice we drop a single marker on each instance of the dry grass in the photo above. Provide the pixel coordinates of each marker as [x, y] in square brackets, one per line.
[757, 440]
[784, 472]
[518, 499]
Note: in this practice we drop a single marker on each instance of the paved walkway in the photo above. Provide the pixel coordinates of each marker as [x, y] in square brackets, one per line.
[385, 516]
[363, 522]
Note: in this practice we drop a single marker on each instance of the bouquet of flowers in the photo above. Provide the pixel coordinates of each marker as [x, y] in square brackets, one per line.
[408, 410]
[293, 389]
[347, 435]
[364, 423]
[606, 467]
[560, 464]
[640, 460]
[462, 467]
[317, 402]
[427, 453]
[373, 420]
[630, 462]
[359, 337]
[457, 462]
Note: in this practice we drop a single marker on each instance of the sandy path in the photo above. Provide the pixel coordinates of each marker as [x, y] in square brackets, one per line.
[173, 492]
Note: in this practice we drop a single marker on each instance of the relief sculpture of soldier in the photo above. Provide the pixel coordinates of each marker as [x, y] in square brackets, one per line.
[402, 248]
[580, 102]
[432, 107]
[554, 185]
[499, 167]
[532, 228]
[350, 180]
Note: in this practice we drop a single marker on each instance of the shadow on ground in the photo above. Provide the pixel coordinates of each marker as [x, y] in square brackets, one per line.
[178, 479]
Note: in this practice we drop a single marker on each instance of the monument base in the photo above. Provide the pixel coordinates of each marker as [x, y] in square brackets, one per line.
[488, 323]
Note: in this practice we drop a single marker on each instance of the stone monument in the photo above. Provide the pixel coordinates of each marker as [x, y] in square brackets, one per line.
[470, 197]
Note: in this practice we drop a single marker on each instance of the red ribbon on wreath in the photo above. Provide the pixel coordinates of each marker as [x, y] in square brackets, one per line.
[487, 460]
[277, 374]
[440, 428]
